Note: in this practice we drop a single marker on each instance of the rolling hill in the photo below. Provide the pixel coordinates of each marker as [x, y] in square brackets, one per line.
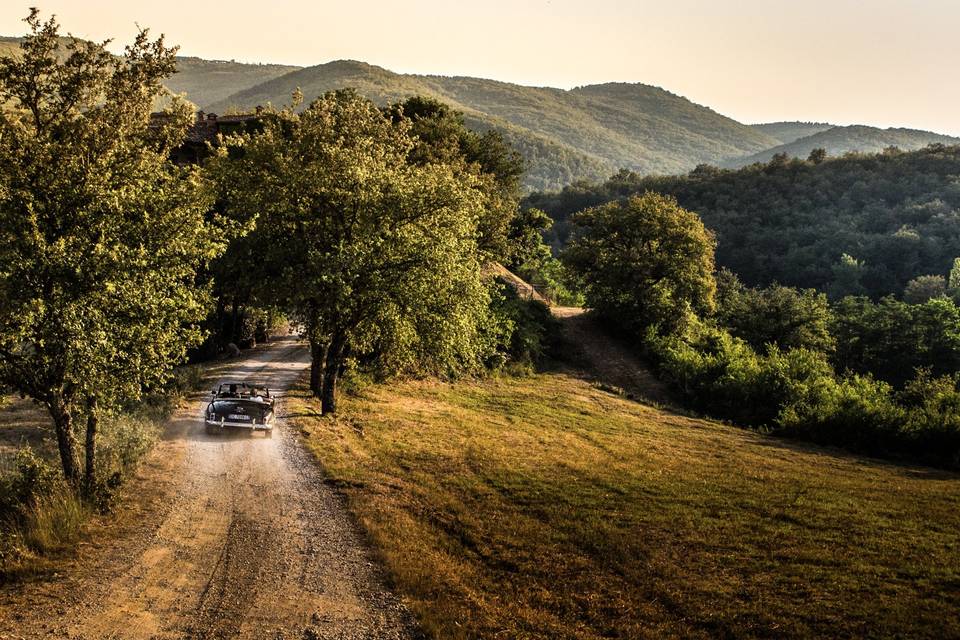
[582, 133]
[208, 81]
[585, 133]
[840, 140]
[787, 132]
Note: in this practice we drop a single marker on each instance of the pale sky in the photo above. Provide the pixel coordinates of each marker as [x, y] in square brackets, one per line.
[877, 62]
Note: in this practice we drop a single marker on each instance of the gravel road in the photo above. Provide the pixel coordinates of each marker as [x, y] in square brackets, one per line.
[228, 537]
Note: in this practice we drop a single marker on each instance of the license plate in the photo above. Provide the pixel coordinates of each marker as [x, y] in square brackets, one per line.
[236, 416]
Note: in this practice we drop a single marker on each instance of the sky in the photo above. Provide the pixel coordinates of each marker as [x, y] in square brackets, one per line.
[877, 62]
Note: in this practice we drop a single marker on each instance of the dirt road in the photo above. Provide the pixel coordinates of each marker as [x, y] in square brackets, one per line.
[230, 537]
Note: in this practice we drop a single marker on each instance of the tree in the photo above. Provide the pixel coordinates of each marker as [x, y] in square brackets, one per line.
[923, 288]
[847, 277]
[891, 339]
[101, 234]
[377, 254]
[440, 136]
[817, 155]
[953, 282]
[782, 316]
[645, 262]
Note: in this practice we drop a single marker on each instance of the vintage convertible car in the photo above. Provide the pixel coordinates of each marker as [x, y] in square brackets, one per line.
[240, 405]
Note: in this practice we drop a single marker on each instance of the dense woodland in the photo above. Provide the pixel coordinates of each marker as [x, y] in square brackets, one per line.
[881, 377]
[861, 224]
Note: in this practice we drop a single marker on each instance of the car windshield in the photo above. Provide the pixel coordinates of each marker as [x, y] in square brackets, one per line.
[244, 391]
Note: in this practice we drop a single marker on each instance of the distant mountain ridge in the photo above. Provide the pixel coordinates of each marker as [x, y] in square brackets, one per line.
[787, 132]
[585, 133]
[208, 81]
[840, 140]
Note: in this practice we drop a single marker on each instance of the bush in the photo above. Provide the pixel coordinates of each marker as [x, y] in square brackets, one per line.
[933, 420]
[124, 440]
[31, 478]
[529, 326]
[796, 392]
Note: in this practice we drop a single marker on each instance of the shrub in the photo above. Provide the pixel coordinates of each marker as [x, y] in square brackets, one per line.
[529, 325]
[795, 392]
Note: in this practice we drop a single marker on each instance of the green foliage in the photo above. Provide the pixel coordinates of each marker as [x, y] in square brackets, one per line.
[440, 137]
[528, 327]
[896, 214]
[30, 478]
[891, 339]
[953, 282]
[101, 235]
[374, 246]
[797, 393]
[782, 316]
[645, 262]
[923, 288]
[534, 261]
[848, 274]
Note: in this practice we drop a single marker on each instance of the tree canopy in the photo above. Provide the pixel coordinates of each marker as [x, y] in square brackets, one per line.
[857, 224]
[644, 261]
[100, 235]
[374, 247]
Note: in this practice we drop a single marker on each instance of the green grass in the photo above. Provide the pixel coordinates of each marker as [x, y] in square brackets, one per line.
[544, 507]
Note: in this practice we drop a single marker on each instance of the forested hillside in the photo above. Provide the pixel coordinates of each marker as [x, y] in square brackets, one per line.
[787, 132]
[564, 135]
[586, 133]
[207, 81]
[855, 224]
[839, 140]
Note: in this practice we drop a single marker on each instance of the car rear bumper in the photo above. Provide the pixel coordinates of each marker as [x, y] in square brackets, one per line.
[241, 425]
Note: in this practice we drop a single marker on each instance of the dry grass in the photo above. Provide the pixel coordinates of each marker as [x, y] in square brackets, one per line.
[41, 520]
[544, 507]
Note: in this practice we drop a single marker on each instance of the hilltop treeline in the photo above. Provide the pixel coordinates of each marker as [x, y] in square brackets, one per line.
[853, 225]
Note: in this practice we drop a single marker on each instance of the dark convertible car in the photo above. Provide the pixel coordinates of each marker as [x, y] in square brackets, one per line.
[240, 405]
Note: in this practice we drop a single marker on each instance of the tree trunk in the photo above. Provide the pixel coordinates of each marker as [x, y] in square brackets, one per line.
[318, 352]
[331, 374]
[219, 339]
[90, 445]
[234, 319]
[63, 425]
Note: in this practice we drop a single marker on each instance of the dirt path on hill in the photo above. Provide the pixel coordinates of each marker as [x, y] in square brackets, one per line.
[227, 537]
[604, 360]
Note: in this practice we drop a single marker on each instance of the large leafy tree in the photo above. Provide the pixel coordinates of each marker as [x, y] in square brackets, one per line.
[100, 234]
[776, 315]
[375, 252]
[440, 136]
[645, 262]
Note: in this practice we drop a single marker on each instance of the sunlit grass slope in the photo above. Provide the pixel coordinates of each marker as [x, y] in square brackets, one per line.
[544, 507]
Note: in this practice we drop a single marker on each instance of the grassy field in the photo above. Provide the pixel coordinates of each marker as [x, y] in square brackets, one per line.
[545, 507]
